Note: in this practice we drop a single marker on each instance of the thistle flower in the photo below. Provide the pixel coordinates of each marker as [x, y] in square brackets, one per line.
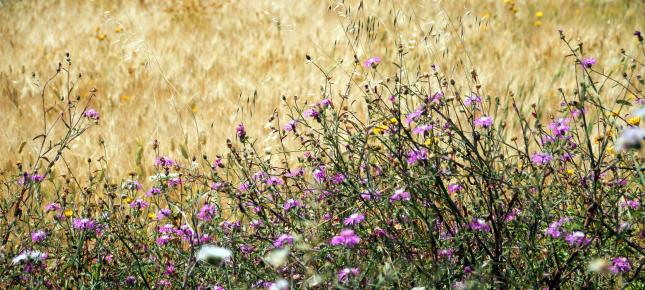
[153, 191]
[346, 237]
[163, 240]
[241, 131]
[480, 225]
[213, 255]
[130, 281]
[139, 204]
[400, 195]
[472, 100]
[163, 213]
[560, 127]
[282, 240]
[354, 219]
[577, 238]
[83, 224]
[38, 236]
[53, 207]
[372, 62]
[588, 62]
[207, 212]
[422, 129]
[291, 203]
[344, 274]
[620, 265]
[484, 122]
[541, 158]
[454, 187]
[320, 175]
[290, 126]
[164, 161]
[91, 114]
[413, 116]
[417, 154]
[312, 113]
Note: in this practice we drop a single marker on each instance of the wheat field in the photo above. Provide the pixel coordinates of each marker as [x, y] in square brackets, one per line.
[187, 72]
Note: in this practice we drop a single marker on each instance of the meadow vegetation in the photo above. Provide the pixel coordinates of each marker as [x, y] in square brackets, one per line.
[371, 144]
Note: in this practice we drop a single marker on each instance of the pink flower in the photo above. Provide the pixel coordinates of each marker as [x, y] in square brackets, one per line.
[52, 207]
[400, 195]
[91, 114]
[38, 236]
[479, 225]
[343, 275]
[291, 203]
[588, 62]
[346, 237]
[577, 238]
[241, 131]
[541, 158]
[139, 204]
[372, 62]
[83, 224]
[207, 212]
[454, 187]
[282, 240]
[312, 113]
[620, 265]
[354, 219]
[472, 100]
[164, 161]
[484, 122]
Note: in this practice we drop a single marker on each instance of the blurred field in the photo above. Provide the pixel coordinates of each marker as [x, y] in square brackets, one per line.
[188, 72]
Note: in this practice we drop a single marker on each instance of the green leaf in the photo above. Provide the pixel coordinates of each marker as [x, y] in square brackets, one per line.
[624, 103]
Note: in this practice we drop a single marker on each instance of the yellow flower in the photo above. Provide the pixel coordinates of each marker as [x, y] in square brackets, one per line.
[124, 98]
[100, 36]
[485, 15]
[127, 200]
[118, 29]
[539, 14]
[152, 216]
[394, 121]
[598, 139]
[379, 129]
[537, 23]
[570, 171]
[634, 121]
[610, 149]
[68, 213]
[614, 113]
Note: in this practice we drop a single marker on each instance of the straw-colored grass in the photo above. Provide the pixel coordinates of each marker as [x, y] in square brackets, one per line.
[188, 72]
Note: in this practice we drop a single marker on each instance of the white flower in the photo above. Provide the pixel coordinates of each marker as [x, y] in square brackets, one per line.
[598, 265]
[28, 255]
[277, 257]
[213, 255]
[281, 284]
[631, 138]
[162, 176]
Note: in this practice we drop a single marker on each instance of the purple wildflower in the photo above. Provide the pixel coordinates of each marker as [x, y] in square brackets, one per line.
[633, 204]
[560, 127]
[83, 224]
[291, 203]
[588, 62]
[52, 207]
[422, 129]
[164, 161]
[91, 114]
[38, 236]
[282, 240]
[320, 175]
[454, 187]
[346, 237]
[541, 158]
[290, 126]
[620, 265]
[472, 100]
[576, 238]
[400, 195]
[436, 98]
[207, 212]
[480, 225]
[130, 281]
[163, 213]
[413, 116]
[325, 103]
[484, 122]
[354, 219]
[343, 275]
[417, 154]
[139, 204]
[372, 62]
[312, 113]
[153, 191]
[240, 131]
